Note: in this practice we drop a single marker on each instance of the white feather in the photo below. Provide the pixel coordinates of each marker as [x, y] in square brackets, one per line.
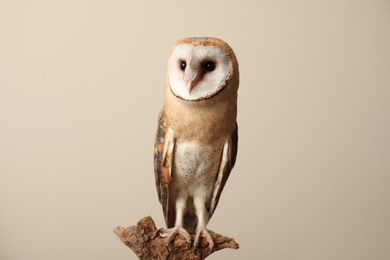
[211, 81]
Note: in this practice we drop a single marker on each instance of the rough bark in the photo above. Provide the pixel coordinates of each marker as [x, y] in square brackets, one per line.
[145, 241]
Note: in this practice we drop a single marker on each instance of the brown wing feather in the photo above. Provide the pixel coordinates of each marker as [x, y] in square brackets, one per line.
[161, 167]
[232, 154]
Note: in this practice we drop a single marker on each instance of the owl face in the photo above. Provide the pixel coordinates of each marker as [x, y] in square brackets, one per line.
[199, 68]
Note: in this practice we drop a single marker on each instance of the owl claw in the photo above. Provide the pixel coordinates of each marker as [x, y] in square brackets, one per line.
[196, 247]
[211, 250]
[172, 233]
[160, 232]
[203, 232]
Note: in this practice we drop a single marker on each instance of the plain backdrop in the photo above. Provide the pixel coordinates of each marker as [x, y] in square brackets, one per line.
[82, 83]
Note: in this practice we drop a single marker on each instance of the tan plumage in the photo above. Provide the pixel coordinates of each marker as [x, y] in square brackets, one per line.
[196, 141]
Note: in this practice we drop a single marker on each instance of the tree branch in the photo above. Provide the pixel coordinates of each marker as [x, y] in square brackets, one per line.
[146, 243]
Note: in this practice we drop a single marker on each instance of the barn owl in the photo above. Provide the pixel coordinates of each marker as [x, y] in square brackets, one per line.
[196, 141]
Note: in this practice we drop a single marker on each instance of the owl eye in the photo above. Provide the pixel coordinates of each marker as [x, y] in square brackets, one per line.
[209, 66]
[183, 65]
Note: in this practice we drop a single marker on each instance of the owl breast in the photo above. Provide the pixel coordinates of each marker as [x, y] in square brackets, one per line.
[195, 167]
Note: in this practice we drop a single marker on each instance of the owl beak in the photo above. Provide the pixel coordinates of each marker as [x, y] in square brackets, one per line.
[193, 74]
[194, 80]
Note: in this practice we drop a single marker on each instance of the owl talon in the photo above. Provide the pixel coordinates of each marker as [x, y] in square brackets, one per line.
[171, 234]
[203, 232]
[196, 247]
[160, 232]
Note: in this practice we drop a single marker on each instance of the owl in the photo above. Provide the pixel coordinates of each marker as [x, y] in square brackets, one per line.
[196, 142]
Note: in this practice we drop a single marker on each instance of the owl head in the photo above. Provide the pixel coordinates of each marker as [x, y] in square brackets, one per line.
[200, 68]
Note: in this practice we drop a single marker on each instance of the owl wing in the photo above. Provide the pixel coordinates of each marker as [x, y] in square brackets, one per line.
[163, 155]
[228, 160]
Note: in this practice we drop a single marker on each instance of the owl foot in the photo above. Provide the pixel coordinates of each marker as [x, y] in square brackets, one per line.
[171, 233]
[205, 233]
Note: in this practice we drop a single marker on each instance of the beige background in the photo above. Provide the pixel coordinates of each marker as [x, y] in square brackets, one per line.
[81, 85]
